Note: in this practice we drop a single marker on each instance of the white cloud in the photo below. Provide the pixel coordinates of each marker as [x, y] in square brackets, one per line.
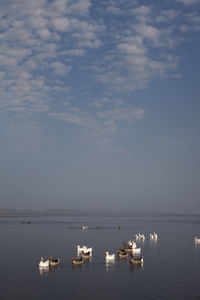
[147, 31]
[133, 45]
[188, 2]
[114, 10]
[61, 24]
[59, 68]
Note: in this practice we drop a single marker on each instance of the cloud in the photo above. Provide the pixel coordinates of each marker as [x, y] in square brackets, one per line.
[188, 2]
[71, 50]
[104, 123]
[59, 68]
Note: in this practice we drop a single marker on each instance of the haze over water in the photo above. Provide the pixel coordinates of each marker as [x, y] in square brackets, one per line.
[170, 269]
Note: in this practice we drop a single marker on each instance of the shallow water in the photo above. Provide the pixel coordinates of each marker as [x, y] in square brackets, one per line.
[171, 267]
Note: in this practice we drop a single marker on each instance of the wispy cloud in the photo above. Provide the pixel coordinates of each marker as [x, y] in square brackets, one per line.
[49, 50]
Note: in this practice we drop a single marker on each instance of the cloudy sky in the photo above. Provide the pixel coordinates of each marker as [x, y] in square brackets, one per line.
[99, 105]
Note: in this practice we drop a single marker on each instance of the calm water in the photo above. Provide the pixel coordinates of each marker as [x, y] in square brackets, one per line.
[171, 268]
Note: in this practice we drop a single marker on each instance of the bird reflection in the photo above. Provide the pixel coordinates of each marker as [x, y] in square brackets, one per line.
[136, 267]
[153, 242]
[44, 271]
[76, 267]
[109, 264]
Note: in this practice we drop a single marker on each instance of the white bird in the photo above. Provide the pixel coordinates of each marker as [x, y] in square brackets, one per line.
[79, 248]
[136, 250]
[140, 236]
[132, 244]
[109, 256]
[84, 227]
[84, 249]
[44, 263]
[153, 236]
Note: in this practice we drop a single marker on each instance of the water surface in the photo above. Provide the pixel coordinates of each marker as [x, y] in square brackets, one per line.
[171, 268]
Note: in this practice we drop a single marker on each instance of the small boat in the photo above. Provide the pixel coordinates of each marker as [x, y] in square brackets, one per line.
[85, 255]
[44, 263]
[136, 260]
[53, 262]
[109, 256]
[77, 261]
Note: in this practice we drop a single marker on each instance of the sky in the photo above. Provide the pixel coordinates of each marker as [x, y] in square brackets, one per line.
[99, 105]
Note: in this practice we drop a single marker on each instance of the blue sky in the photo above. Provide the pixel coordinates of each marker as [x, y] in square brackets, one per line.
[99, 105]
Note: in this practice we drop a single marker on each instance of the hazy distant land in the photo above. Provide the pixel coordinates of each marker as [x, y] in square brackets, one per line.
[68, 212]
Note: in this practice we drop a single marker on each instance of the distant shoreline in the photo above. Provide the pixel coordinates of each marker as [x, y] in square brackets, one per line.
[12, 213]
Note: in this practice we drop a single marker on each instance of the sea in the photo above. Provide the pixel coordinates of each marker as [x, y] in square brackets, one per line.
[170, 270]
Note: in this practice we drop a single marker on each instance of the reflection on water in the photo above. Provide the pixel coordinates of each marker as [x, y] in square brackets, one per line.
[77, 267]
[109, 264]
[44, 271]
[150, 278]
[136, 267]
[153, 242]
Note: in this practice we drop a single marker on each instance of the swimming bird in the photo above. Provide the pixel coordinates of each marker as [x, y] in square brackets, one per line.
[139, 236]
[84, 249]
[53, 262]
[85, 255]
[136, 250]
[109, 256]
[81, 248]
[136, 260]
[127, 247]
[132, 244]
[44, 263]
[122, 253]
[153, 236]
[77, 261]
